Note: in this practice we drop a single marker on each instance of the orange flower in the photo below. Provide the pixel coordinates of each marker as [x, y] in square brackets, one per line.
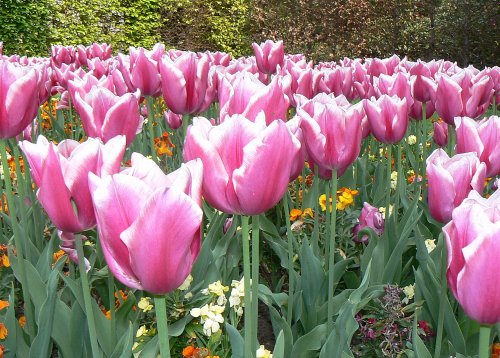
[308, 211]
[22, 321]
[3, 304]
[1, 351]
[57, 255]
[188, 351]
[4, 259]
[3, 331]
[3, 205]
[295, 214]
[163, 145]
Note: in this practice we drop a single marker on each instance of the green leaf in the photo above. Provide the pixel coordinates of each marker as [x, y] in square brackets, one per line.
[237, 342]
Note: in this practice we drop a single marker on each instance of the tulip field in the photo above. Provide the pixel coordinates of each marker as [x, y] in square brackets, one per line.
[167, 203]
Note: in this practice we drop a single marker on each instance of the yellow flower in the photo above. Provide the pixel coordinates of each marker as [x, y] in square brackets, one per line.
[141, 331]
[57, 255]
[4, 261]
[308, 211]
[3, 331]
[295, 214]
[345, 198]
[22, 321]
[322, 202]
[145, 304]
[3, 304]
[430, 245]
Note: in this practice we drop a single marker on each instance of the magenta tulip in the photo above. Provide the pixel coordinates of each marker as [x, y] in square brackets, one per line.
[269, 55]
[173, 120]
[19, 97]
[370, 217]
[60, 173]
[184, 82]
[105, 115]
[149, 223]
[388, 118]
[472, 239]
[140, 70]
[241, 158]
[450, 180]
[332, 133]
[244, 94]
[483, 138]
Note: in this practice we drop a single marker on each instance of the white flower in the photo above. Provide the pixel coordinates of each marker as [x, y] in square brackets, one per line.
[262, 352]
[394, 180]
[430, 244]
[411, 140]
[145, 304]
[210, 317]
[409, 292]
[237, 294]
[187, 282]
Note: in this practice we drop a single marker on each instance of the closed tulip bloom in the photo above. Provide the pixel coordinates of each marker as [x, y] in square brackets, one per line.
[481, 137]
[388, 118]
[19, 97]
[241, 158]
[370, 217]
[473, 246]
[142, 68]
[440, 133]
[396, 85]
[422, 84]
[448, 99]
[450, 181]
[244, 94]
[60, 173]
[269, 55]
[332, 133]
[149, 223]
[105, 115]
[301, 81]
[173, 120]
[299, 160]
[184, 82]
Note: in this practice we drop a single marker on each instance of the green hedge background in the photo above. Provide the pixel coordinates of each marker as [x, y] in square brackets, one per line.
[465, 31]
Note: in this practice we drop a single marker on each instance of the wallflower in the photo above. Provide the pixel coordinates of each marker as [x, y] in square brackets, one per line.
[3, 331]
[217, 289]
[411, 140]
[187, 282]
[430, 244]
[295, 214]
[141, 331]
[394, 180]
[308, 212]
[59, 254]
[210, 317]
[345, 198]
[163, 145]
[409, 292]
[4, 258]
[263, 353]
[145, 304]
[236, 299]
[22, 321]
[3, 304]
[322, 202]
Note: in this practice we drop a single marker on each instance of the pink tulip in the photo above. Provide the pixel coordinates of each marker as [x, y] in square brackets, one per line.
[60, 173]
[370, 217]
[338, 81]
[19, 97]
[62, 54]
[387, 117]
[300, 81]
[269, 55]
[396, 85]
[423, 85]
[440, 133]
[299, 160]
[332, 133]
[173, 120]
[244, 94]
[149, 223]
[219, 58]
[105, 115]
[185, 82]
[241, 158]
[481, 137]
[450, 181]
[472, 239]
[141, 69]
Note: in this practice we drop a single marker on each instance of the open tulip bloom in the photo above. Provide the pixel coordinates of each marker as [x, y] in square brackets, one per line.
[473, 242]
[149, 223]
[241, 158]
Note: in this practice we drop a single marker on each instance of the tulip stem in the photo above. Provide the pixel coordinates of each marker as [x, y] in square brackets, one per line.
[162, 324]
[255, 278]
[331, 253]
[484, 341]
[30, 317]
[111, 293]
[442, 298]
[86, 297]
[290, 260]
[315, 236]
[451, 139]
[150, 106]
[388, 200]
[246, 275]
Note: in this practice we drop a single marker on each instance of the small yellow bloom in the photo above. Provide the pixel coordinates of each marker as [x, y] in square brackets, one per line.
[4, 261]
[3, 304]
[22, 321]
[145, 304]
[430, 245]
[141, 331]
[295, 214]
[308, 212]
[409, 292]
[322, 202]
[3, 331]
